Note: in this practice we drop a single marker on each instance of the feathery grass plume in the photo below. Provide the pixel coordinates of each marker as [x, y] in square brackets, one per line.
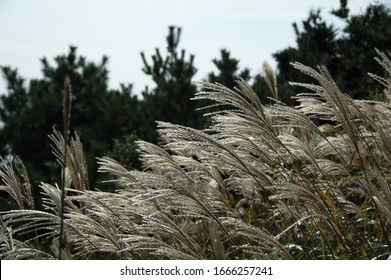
[337, 104]
[66, 122]
[15, 182]
[76, 163]
[357, 150]
[270, 79]
[11, 249]
[385, 61]
[242, 100]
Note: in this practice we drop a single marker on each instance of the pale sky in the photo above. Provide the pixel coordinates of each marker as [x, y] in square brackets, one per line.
[250, 29]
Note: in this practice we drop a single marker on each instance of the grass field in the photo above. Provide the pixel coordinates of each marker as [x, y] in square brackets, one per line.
[262, 182]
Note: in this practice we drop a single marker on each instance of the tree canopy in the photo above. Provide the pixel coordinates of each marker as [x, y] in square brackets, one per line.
[173, 78]
[348, 53]
[30, 113]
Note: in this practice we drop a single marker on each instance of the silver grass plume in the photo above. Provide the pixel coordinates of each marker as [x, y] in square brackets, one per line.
[270, 79]
[66, 121]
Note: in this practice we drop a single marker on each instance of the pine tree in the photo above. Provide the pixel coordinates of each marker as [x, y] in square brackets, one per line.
[228, 70]
[172, 75]
[347, 53]
[29, 113]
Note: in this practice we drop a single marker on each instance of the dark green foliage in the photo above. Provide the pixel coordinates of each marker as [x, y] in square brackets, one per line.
[172, 75]
[125, 151]
[316, 45]
[229, 72]
[343, 10]
[361, 34]
[347, 53]
[228, 68]
[29, 114]
[169, 100]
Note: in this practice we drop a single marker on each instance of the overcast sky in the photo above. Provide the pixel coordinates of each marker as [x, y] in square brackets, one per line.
[251, 29]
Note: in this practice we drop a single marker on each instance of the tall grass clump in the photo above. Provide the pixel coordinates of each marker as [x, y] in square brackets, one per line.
[262, 182]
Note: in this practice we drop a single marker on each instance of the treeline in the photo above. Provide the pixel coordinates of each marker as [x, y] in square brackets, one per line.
[109, 121]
